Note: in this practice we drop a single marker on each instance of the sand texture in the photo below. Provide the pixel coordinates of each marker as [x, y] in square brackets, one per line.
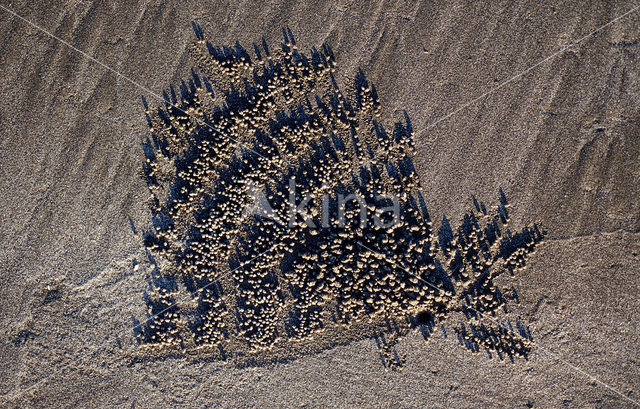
[522, 114]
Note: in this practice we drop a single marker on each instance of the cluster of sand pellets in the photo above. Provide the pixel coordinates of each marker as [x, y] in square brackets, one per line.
[498, 337]
[261, 282]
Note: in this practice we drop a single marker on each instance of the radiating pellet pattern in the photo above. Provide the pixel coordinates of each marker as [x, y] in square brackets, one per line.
[246, 142]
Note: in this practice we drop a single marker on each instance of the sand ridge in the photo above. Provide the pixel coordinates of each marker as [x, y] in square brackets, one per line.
[561, 141]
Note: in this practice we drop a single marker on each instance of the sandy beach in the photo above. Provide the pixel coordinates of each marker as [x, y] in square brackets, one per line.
[536, 101]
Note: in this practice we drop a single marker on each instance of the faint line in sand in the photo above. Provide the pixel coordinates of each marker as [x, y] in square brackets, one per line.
[120, 75]
[560, 51]
[575, 368]
[515, 77]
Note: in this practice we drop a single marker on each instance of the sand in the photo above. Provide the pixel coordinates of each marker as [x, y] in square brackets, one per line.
[560, 139]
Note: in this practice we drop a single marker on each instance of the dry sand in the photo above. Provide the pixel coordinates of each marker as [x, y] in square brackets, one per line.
[561, 140]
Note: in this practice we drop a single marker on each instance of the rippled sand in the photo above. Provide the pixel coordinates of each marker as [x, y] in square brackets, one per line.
[559, 136]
